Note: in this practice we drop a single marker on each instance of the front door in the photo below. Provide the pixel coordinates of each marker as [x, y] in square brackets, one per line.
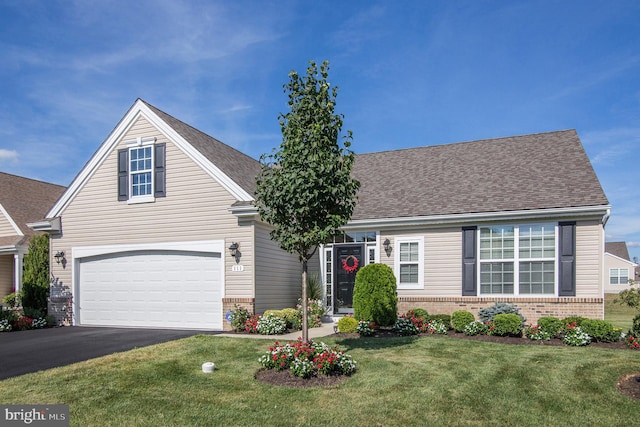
[347, 261]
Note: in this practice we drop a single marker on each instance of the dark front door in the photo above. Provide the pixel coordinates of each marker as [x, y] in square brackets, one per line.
[347, 261]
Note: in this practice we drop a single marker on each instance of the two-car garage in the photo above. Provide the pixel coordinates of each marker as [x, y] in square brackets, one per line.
[158, 287]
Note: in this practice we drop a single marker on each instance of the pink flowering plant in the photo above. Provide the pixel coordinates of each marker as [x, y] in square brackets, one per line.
[632, 342]
[315, 310]
[307, 359]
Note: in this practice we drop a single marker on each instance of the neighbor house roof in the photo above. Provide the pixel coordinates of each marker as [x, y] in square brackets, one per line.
[238, 166]
[618, 249]
[539, 171]
[25, 200]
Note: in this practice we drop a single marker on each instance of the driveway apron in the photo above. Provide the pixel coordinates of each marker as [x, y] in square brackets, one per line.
[35, 350]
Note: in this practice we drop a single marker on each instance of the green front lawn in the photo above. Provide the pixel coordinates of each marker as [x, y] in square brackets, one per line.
[400, 381]
[620, 316]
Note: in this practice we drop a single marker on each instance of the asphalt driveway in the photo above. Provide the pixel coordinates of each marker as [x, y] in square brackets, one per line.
[39, 349]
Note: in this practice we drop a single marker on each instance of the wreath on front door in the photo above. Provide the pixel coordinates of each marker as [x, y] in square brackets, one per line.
[350, 268]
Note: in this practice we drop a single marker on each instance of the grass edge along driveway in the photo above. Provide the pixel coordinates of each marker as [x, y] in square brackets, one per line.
[400, 381]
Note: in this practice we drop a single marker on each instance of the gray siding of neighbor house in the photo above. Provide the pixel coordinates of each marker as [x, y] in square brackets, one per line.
[194, 209]
[278, 273]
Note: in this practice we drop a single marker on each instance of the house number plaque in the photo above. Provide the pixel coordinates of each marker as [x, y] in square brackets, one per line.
[237, 267]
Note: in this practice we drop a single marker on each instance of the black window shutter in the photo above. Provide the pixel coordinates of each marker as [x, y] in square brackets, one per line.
[469, 262]
[160, 170]
[567, 259]
[123, 174]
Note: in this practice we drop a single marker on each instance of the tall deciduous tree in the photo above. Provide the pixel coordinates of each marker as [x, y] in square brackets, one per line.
[305, 189]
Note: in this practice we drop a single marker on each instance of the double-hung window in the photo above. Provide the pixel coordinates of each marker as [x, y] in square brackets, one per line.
[141, 171]
[409, 260]
[618, 276]
[518, 260]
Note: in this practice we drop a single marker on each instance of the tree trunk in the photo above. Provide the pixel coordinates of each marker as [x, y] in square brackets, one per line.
[305, 315]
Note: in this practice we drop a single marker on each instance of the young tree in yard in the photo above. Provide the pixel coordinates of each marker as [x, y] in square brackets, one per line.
[305, 189]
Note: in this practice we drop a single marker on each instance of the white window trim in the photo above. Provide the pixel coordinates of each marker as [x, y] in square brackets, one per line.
[516, 261]
[618, 276]
[139, 143]
[409, 239]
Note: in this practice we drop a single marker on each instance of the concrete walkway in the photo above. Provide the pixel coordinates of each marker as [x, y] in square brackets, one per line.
[325, 330]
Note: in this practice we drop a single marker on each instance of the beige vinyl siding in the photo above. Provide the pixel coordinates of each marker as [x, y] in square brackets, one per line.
[442, 260]
[611, 261]
[589, 259]
[278, 273]
[195, 209]
[6, 229]
[6, 274]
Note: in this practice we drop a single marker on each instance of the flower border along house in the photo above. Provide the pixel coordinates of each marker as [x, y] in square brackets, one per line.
[159, 230]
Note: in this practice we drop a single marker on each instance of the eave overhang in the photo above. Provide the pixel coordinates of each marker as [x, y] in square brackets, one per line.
[49, 225]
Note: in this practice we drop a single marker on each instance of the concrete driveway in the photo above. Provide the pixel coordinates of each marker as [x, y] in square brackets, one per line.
[40, 349]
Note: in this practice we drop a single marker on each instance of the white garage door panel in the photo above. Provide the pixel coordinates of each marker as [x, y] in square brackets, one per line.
[164, 289]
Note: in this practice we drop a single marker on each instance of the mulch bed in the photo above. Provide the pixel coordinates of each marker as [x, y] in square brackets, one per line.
[628, 385]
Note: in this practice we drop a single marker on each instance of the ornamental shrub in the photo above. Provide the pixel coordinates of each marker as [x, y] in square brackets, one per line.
[271, 325]
[551, 325]
[405, 326]
[420, 312]
[572, 319]
[35, 276]
[12, 300]
[487, 314]
[635, 328]
[575, 336]
[507, 324]
[460, 319]
[239, 317]
[598, 330]
[445, 319]
[347, 325]
[475, 328]
[374, 295]
[366, 328]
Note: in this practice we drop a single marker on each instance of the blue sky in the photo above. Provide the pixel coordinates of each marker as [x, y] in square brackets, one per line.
[411, 73]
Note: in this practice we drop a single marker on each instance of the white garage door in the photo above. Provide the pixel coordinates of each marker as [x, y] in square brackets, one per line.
[155, 288]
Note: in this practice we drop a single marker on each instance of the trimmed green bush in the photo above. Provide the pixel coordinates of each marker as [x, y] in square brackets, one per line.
[487, 314]
[347, 325]
[635, 328]
[551, 325]
[507, 324]
[35, 276]
[460, 319]
[374, 295]
[598, 330]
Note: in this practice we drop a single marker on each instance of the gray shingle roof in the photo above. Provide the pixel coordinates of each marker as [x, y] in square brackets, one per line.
[618, 249]
[238, 166]
[27, 200]
[545, 170]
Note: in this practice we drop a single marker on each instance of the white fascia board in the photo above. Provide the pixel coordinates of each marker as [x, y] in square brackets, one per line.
[11, 221]
[431, 220]
[139, 108]
[207, 246]
[244, 211]
[52, 225]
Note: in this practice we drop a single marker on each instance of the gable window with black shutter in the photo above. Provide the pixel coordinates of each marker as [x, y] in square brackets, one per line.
[141, 171]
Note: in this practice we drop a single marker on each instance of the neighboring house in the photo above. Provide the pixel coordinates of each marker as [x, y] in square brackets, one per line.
[619, 269]
[22, 201]
[150, 226]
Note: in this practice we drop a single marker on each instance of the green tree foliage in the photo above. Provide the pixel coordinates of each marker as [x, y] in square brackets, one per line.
[35, 278]
[374, 296]
[305, 189]
[629, 297]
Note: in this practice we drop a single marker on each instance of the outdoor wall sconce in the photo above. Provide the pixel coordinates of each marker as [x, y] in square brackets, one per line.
[234, 249]
[59, 256]
[387, 247]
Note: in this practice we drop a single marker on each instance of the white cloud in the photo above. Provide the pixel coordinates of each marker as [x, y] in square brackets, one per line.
[633, 244]
[8, 155]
